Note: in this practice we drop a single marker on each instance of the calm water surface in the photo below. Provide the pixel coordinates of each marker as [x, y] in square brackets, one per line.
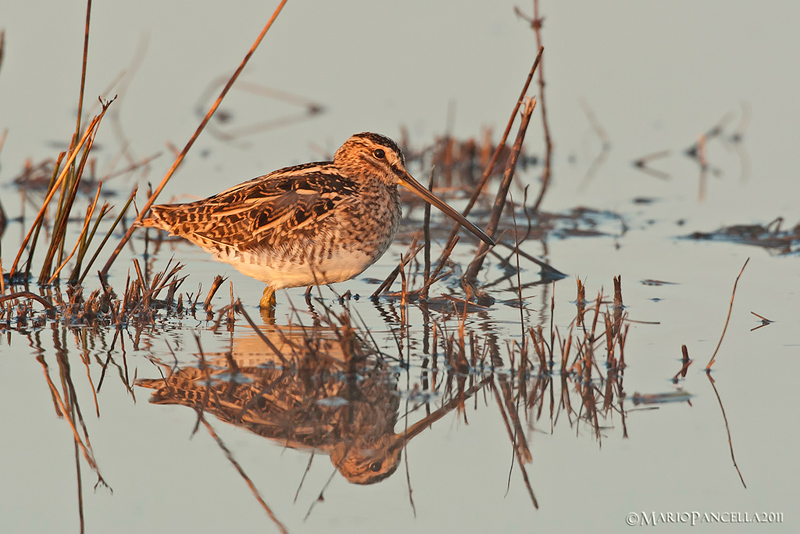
[654, 78]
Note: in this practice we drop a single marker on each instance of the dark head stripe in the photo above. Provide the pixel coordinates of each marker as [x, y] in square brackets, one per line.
[381, 140]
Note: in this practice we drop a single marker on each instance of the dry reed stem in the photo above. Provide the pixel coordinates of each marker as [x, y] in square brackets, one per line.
[232, 460]
[90, 133]
[488, 170]
[413, 250]
[26, 294]
[500, 199]
[548, 155]
[426, 229]
[65, 413]
[218, 280]
[38, 225]
[240, 308]
[442, 260]
[84, 62]
[641, 164]
[686, 363]
[727, 427]
[86, 221]
[764, 320]
[727, 318]
[110, 304]
[190, 143]
[519, 279]
[521, 451]
[108, 234]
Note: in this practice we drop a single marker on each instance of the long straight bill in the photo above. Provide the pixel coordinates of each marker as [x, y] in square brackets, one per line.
[414, 186]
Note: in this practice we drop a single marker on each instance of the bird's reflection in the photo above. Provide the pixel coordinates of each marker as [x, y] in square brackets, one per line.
[332, 396]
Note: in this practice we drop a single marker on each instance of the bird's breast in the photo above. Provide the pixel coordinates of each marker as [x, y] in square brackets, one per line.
[338, 247]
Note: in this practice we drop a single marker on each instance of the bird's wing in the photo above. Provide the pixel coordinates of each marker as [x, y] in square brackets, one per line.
[286, 204]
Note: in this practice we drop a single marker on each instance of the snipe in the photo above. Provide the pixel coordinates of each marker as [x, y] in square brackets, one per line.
[306, 225]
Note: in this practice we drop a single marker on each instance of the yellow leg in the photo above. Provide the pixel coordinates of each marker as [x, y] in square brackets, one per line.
[268, 298]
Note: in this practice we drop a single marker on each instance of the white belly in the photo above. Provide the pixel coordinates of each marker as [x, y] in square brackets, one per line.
[341, 267]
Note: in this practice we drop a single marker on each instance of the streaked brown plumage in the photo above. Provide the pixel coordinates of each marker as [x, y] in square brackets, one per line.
[311, 224]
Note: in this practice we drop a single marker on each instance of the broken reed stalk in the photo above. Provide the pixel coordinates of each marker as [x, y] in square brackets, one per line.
[114, 314]
[488, 170]
[581, 302]
[211, 292]
[728, 318]
[500, 199]
[27, 295]
[548, 143]
[190, 143]
[686, 363]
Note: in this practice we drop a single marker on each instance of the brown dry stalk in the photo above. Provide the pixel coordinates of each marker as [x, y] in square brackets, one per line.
[87, 220]
[426, 229]
[488, 170]
[66, 414]
[211, 292]
[413, 250]
[83, 69]
[442, 260]
[728, 318]
[727, 427]
[90, 133]
[200, 128]
[240, 308]
[536, 23]
[28, 295]
[240, 470]
[500, 199]
[686, 363]
[108, 234]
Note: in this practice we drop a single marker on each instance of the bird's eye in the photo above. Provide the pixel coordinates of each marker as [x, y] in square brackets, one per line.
[375, 466]
[379, 153]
